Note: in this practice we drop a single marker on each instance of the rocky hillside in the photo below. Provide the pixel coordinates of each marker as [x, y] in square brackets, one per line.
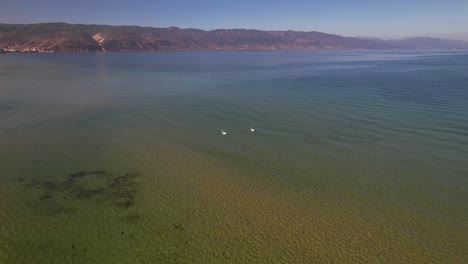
[62, 37]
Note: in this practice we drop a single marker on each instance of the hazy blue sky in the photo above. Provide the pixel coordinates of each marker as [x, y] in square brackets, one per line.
[395, 18]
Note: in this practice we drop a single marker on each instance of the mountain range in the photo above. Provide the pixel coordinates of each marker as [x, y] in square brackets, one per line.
[63, 37]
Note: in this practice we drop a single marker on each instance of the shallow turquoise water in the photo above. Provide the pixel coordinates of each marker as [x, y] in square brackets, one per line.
[358, 157]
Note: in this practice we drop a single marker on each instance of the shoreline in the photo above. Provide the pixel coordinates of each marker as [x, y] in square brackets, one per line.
[4, 52]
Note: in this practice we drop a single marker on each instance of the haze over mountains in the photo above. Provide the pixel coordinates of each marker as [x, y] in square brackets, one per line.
[62, 37]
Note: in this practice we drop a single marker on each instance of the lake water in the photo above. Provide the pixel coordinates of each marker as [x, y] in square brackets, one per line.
[119, 157]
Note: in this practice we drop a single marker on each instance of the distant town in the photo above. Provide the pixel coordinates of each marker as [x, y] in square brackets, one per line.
[17, 49]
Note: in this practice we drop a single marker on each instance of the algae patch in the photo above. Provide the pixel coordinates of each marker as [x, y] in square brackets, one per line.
[99, 186]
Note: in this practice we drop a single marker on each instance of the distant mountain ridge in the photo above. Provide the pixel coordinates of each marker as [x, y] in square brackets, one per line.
[430, 43]
[63, 37]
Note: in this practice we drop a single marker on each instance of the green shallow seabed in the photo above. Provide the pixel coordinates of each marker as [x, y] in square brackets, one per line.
[114, 180]
[187, 205]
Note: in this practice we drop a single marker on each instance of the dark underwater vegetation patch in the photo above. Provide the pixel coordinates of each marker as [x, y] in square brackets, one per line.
[45, 195]
[85, 173]
[43, 185]
[98, 186]
[9, 105]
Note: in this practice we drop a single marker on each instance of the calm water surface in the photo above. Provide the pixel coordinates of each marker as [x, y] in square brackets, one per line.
[118, 157]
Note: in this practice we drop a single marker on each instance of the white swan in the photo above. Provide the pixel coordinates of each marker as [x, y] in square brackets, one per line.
[252, 129]
[223, 132]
